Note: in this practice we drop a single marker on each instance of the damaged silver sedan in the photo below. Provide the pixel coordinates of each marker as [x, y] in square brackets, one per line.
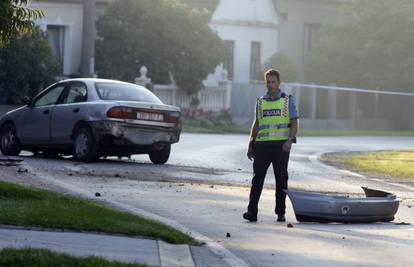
[90, 118]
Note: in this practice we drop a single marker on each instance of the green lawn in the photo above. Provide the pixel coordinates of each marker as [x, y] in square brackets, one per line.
[25, 206]
[353, 133]
[46, 258]
[212, 125]
[396, 163]
[224, 125]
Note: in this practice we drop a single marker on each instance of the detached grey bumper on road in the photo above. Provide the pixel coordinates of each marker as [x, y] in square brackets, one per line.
[378, 206]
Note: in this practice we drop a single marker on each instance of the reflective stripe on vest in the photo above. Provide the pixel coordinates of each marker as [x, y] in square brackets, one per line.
[273, 119]
[273, 134]
[275, 126]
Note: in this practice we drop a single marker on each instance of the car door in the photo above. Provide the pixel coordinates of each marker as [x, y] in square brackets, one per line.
[35, 123]
[70, 110]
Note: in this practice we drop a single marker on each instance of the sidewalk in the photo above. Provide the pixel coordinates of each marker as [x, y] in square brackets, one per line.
[111, 247]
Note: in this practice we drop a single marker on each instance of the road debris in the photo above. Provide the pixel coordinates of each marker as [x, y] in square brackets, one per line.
[228, 235]
[10, 162]
[289, 225]
[402, 223]
[97, 194]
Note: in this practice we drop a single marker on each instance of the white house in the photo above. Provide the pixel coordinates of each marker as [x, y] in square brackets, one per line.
[70, 25]
[250, 30]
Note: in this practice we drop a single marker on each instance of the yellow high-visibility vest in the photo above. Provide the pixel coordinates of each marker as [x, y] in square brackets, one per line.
[274, 119]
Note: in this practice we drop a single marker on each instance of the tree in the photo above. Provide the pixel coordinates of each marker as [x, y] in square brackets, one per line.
[210, 5]
[167, 37]
[16, 17]
[373, 50]
[26, 66]
[284, 65]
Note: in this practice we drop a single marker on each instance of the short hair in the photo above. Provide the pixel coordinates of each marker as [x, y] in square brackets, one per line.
[272, 72]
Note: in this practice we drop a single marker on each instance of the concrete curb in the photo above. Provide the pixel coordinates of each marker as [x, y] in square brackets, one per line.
[119, 248]
[175, 255]
[214, 247]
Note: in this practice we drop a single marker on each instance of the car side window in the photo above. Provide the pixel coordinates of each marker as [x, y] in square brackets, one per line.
[77, 93]
[50, 97]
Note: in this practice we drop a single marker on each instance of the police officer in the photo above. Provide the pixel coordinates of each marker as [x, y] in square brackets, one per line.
[271, 136]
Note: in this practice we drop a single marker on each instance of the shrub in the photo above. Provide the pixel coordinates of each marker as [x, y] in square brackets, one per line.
[26, 66]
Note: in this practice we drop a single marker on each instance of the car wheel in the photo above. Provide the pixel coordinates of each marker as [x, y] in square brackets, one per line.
[85, 146]
[160, 156]
[9, 142]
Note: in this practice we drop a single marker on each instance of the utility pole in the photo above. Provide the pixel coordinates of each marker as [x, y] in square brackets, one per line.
[88, 38]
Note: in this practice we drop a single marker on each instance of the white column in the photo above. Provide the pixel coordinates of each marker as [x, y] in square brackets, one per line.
[88, 38]
[376, 105]
[332, 107]
[143, 80]
[296, 93]
[174, 95]
[313, 102]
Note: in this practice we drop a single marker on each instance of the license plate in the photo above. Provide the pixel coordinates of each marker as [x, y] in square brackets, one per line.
[150, 116]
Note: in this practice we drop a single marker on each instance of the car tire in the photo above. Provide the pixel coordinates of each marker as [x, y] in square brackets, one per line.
[9, 142]
[85, 147]
[160, 156]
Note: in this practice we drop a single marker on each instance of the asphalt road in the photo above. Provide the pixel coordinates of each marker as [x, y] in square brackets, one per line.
[225, 156]
[204, 189]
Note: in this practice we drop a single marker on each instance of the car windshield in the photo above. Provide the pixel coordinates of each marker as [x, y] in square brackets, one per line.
[125, 92]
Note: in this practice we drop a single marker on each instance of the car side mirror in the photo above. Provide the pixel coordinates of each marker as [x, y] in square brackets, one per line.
[28, 101]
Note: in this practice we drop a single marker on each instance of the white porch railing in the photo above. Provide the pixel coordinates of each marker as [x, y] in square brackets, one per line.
[214, 99]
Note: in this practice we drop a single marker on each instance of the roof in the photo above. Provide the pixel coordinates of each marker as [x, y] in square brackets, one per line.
[207, 4]
[74, 1]
[246, 12]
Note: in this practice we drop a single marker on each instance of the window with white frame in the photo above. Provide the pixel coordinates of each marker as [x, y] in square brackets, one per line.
[255, 63]
[310, 35]
[229, 58]
[56, 36]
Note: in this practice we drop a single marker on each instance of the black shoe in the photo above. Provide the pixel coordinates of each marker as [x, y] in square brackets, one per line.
[281, 218]
[248, 216]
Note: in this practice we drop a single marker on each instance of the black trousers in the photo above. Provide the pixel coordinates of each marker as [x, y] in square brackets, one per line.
[264, 154]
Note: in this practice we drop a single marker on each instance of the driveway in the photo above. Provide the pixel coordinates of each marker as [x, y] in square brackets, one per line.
[204, 189]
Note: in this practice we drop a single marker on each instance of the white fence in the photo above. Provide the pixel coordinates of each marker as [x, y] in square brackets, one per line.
[332, 107]
[214, 99]
[320, 107]
[352, 108]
